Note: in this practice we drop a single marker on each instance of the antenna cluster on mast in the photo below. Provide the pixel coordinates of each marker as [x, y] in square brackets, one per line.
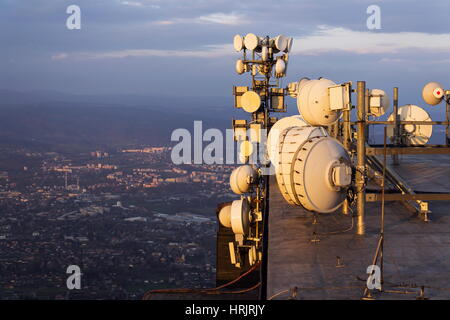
[319, 157]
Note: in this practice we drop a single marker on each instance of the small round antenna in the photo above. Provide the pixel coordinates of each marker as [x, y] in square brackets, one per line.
[250, 101]
[252, 41]
[245, 151]
[238, 43]
[240, 216]
[240, 66]
[433, 93]
[242, 178]
[281, 42]
[378, 102]
[289, 45]
[225, 216]
[280, 67]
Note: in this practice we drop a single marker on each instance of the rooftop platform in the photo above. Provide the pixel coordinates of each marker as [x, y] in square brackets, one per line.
[327, 260]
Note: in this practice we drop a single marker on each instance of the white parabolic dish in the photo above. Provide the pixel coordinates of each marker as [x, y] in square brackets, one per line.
[415, 134]
[278, 128]
[240, 216]
[305, 171]
[432, 93]
[280, 66]
[250, 101]
[289, 45]
[313, 102]
[281, 42]
[251, 41]
[241, 179]
[240, 67]
[225, 216]
[238, 43]
[384, 103]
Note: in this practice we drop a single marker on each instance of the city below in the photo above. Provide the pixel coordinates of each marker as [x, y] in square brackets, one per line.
[130, 219]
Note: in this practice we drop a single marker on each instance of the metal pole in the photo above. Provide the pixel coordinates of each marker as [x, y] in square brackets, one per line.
[447, 115]
[366, 293]
[383, 190]
[367, 103]
[361, 156]
[396, 125]
[346, 141]
[380, 246]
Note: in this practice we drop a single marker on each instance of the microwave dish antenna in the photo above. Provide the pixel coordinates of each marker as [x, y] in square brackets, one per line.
[313, 171]
[413, 134]
[433, 93]
[242, 178]
[240, 216]
[313, 102]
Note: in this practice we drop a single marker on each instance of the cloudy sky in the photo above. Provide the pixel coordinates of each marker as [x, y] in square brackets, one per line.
[184, 48]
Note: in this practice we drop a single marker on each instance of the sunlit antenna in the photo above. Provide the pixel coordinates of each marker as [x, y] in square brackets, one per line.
[412, 134]
[266, 59]
[433, 93]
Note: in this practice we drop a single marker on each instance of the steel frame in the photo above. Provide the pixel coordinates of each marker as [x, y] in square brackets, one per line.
[360, 148]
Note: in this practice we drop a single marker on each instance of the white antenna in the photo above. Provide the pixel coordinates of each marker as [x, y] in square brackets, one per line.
[313, 102]
[433, 93]
[238, 43]
[242, 178]
[413, 134]
[314, 170]
[225, 216]
[240, 216]
[378, 102]
[245, 216]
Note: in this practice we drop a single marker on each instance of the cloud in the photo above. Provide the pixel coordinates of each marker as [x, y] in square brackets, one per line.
[139, 4]
[329, 39]
[229, 19]
[132, 3]
[60, 56]
[222, 18]
[325, 40]
[211, 51]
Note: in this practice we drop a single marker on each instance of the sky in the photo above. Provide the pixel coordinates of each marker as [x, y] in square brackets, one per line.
[184, 48]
